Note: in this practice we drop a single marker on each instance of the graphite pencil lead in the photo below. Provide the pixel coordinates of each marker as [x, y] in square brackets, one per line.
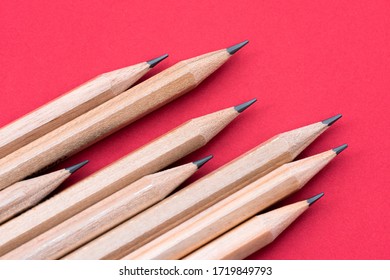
[201, 162]
[76, 167]
[339, 149]
[331, 120]
[155, 61]
[313, 199]
[242, 107]
[233, 49]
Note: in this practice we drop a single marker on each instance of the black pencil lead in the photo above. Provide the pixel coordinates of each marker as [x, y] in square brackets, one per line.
[155, 61]
[235, 48]
[339, 149]
[242, 107]
[76, 167]
[314, 198]
[331, 120]
[201, 162]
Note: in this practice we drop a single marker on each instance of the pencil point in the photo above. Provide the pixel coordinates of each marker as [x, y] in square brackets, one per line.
[155, 61]
[76, 167]
[339, 149]
[314, 198]
[331, 120]
[235, 48]
[242, 107]
[201, 162]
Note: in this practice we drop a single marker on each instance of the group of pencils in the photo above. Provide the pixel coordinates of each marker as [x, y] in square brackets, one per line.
[129, 209]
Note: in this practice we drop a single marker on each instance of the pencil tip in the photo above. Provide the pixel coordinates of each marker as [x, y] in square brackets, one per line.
[313, 199]
[242, 107]
[331, 120]
[201, 162]
[339, 149]
[233, 49]
[76, 167]
[155, 61]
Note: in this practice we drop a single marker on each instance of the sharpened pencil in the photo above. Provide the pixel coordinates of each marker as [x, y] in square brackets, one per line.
[111, 116]
[201, 194]
[235, 209]
[28, 193]
[253, 234]
[70, 105]
[146, 160]
[105, 214]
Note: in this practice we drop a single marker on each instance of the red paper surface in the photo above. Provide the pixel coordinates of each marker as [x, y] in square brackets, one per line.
[306, 61]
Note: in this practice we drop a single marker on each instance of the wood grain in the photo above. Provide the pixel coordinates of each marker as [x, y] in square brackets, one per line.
[148, 159]
[199, 195]
[67, 107]
[251, 236]
[109, 117]
[233, 210]
[28, 193]
[103, 215]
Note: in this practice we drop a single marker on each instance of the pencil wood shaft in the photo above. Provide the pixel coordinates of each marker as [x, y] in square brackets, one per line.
[109, 117]
[25, 194]
[250, 236]
[233, 210]
[103, 215]
[148, 159]
[199, 195]
[68, 106]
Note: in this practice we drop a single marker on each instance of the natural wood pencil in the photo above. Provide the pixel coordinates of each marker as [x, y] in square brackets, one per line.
[148, 159]
[111, 116]
[252, 235]
[70, 105]
[233, 210]
[201, 194]
[28, 193]
[105, 214]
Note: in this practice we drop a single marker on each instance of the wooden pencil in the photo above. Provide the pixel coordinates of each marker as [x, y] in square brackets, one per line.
[28, 193]
[70, 105]
[233, 210]
[201, 194]
[105, 214]
[146, 160]
[111, 116]
[252, 235]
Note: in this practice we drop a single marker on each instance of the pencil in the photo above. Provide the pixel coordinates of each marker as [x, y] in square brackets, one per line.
[70, 105]
[111, 116]
[146, 160]
[233, 210]
[105, 214]
[201, 194]
[28, 193]
[252, 235]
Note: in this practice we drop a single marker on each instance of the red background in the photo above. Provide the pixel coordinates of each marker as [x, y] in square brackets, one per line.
[306, 60]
